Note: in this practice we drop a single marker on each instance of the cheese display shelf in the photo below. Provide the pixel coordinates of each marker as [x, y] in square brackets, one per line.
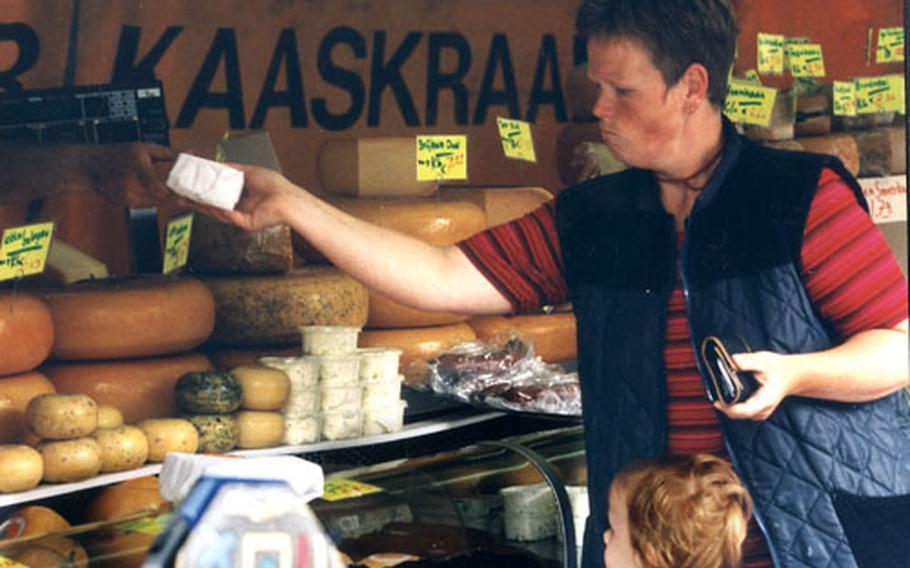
[453, 420]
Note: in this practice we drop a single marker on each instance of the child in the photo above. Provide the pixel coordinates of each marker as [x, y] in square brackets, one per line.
[688, 512]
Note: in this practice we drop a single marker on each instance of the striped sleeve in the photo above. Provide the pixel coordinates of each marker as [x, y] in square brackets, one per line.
[849, 270]
[522, 259]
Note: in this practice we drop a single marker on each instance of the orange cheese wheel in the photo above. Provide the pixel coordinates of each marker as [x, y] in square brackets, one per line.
[371, 167]
[387, 313]
[841, 146]
[139, 388]
[126, 498]
[26, 332]
[269, 309]
[553, 335]
[15, 393]
[418, 345]
[33, 520]
[130, 318]
[501, 204]
[438, 222]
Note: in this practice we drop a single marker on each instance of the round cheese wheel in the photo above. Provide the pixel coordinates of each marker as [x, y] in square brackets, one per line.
[501, 204]
[553, 335]
[387, 313]
[52, 552]
[841, 146]
[61, 416]
[270, 309]
[109, 417]
[122, 448]
[22, 468]
[127, 498]
[581, 94]
[139, 389]
[371, 167]
[33, 520]
[217, 432]
[257, 429]
[417, 345]
[166, 435]
[438, 222]
[15, 394]
[264, 388]
[228, 358]
[129, 318]
[882, 151]
[26, 332]
[66, 461]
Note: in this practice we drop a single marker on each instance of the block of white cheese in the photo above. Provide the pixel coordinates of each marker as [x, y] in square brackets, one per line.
[206, 181]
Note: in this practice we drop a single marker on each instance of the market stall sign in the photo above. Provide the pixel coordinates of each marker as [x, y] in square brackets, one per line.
[516, 139]
[880, 94]
[890, 45]
[340, 489]
[442, 157]
[844, 98]
[177, 242]
[771, 54]
[806, 60]
[23, 250]
[749, 104]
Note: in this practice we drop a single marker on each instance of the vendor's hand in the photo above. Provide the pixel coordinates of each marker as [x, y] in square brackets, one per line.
[131, 174]
[265, 198]
[775, 382]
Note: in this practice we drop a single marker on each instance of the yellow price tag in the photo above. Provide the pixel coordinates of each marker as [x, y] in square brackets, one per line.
[890, 45]
[516, 139]
[147, 525]
[749, 104]
[23, 250]
[879, 94]
[340, 489]
[177, 242]
[844, 98]
[806, 60]
[770, 54]
[442, 157]
[7, 563]
[751, 76]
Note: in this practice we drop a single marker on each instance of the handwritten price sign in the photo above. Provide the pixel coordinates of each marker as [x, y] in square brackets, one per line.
[890, 45]
[177, 242]
[879, 94]
[516, 139]
[749, 104]
[771, 54]
[806, 60]
[844, 98]
[442, 157]
[23, 250]
[339, 489]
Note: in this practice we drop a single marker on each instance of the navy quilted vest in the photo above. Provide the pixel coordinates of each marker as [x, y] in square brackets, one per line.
[811, 468]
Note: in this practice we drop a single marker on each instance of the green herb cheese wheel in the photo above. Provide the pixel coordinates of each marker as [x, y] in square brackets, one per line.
[207, 393]
[217, 432]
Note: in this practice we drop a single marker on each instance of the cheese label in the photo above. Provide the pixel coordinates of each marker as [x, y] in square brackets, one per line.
[749, 104]
[806, 60]
[515, 136]
[7, 563]
[844, 98]
[340, 489]
[771, 54]
[887, 198]
[442, 157]
[23, 250]
[751, 76]
[879, 94]
[177, 242]
[890, 45]
[146, 525]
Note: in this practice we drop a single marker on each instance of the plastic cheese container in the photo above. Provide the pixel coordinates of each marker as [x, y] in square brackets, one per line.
[303, 401]
[342, 425]
[340, 399]
[329, 339]
[382, 393]
[379, 363]
[384, 419]
[339, 370]
[302, 371]
[302, 430]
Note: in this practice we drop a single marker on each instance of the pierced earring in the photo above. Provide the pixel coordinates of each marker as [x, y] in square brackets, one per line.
[689, 108]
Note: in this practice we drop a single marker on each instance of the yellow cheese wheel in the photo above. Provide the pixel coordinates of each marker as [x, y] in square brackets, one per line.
[417, 345]
[553, 335]
[129, 318]
[371, 167]
[126, 498]
[264, 388]
[438, 222]
[52, 552]
[33, 520]
[257, 429]
[22, 468]
[109, 416]
[122, 448]
[26, 332]
[501, 204]
[166, 435]
[269, 310]
[15, 393]
[139, 389]
[581, 94]
[841, 146]
[66, 461]
[225, 358]
[62, 416]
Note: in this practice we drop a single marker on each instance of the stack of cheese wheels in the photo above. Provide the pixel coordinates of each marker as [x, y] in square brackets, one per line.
[259, 420]
[44, 547]
[206, 400]
[126, 342]
[65, 424]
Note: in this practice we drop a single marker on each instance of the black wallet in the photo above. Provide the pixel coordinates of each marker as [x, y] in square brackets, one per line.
[727, 382]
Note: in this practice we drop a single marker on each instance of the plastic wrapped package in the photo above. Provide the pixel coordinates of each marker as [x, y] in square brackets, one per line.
[507, 377]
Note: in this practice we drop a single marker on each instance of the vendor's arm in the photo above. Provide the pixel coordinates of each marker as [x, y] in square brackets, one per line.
[857, 285]
[129, 174]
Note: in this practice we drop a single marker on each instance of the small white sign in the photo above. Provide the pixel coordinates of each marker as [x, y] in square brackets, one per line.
[887, 197]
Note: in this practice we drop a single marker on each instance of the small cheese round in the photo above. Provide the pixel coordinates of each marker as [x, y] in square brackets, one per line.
[122, 448]
[166, 435]
[264, 388]
[70, 460]
[217, 432]
[62, 416]
[257, 429]
[22, 468]
[109, 416]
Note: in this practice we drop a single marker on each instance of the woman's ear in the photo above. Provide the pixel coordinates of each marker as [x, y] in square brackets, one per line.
[694, 82]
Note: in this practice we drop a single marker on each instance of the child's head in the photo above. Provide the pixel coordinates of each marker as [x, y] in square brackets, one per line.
[683, 513]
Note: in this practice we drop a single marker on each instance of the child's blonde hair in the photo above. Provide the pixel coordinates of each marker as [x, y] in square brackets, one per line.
[690, 512]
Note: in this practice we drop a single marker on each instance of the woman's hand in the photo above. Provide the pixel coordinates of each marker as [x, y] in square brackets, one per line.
[775, 379]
